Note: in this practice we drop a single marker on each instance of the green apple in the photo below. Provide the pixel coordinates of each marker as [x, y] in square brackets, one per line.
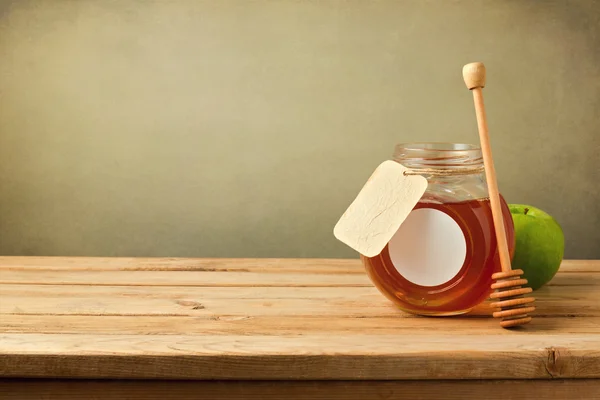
[540, 244]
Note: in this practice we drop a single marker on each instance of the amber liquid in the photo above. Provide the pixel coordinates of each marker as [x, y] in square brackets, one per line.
[471, 285]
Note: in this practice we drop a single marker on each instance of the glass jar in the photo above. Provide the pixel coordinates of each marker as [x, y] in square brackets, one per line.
[441, 259]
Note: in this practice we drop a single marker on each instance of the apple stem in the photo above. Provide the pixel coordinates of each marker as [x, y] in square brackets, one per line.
[525, 211]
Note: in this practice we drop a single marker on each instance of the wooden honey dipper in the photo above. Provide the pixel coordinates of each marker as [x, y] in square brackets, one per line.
[509, 286]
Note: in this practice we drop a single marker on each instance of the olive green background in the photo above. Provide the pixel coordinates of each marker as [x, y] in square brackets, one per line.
[245, 128]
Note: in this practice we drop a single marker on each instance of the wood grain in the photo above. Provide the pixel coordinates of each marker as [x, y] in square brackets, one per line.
[276, 325]
[281, 265]
[558, 389]
[272, 319]
[347, 357]
[219, 278]
[360, 302]
[181, 278]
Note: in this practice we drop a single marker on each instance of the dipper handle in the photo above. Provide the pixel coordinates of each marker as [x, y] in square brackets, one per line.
[474, 75]
[509, 287]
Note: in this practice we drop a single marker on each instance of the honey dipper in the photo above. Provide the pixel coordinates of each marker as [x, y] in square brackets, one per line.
[509, 286]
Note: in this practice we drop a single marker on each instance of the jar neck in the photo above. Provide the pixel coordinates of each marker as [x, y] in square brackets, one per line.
[458, 157]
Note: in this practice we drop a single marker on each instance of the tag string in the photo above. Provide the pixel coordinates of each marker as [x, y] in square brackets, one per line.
[445, 171]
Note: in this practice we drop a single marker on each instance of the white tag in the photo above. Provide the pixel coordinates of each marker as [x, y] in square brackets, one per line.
[380, 208]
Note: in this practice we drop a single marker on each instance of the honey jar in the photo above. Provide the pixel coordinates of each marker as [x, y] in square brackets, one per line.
[441, 259]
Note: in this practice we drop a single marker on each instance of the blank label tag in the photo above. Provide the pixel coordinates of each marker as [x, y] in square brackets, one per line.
[380, 208]
[429, 249]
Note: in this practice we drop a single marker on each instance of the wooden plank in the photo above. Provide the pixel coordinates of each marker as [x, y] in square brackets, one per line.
[180, 278]
[575, 279]
[556, 301]
[568, 266]
[200, 303]
[272, 319]
[555, 389]
[283, 326]
[306, 357]
[280, 265]
[222, 278]
[177, 292]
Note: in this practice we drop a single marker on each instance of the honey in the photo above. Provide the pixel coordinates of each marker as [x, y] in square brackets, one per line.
[470, 285]
[441, 259]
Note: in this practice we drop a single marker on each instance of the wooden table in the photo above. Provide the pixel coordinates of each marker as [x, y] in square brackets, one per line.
[154, 328]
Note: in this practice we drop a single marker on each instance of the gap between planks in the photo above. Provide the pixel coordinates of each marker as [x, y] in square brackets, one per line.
[284, 326]
[279, 265]
[222, 279]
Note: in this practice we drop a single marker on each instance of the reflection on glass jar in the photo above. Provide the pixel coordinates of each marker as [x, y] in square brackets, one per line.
[441, 260]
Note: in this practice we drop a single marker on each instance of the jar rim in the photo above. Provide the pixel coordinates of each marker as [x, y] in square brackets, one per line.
[438, 154]
[438, 146]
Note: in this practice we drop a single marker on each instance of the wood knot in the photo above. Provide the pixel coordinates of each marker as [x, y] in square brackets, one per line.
[556, 363]
[194, 305]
